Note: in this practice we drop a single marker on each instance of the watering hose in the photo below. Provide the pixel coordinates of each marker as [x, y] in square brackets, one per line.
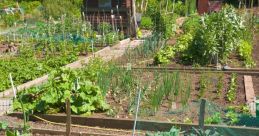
[80, 126]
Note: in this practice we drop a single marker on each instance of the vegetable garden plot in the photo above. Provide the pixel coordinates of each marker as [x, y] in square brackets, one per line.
[228, 37]
[45, 47]
[103, 90]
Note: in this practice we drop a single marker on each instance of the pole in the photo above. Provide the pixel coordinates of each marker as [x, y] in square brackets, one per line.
[92, 43]
[11, 80]
[134, 18]
[202, 113]
[136, 115]
[68, 111]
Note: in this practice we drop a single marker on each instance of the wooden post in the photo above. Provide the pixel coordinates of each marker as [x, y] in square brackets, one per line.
[11, 80]
[134, 18]
[202, 113]
[68, 111]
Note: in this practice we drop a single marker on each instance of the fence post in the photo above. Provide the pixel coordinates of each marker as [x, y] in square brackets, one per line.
[136, 115]
[202, 113]
[11, 80]
[68, 111]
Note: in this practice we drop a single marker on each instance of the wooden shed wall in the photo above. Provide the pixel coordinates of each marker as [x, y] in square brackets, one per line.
[95, 15]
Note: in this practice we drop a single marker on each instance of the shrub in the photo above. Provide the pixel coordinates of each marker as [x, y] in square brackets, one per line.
[164, 24]
[146, 23]
[191, 24]
[180, 8]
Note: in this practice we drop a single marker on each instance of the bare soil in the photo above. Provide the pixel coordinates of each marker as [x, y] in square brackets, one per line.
[18, 123]
[191, 110]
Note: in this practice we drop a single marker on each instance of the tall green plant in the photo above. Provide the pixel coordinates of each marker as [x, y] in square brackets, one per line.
[232, 91]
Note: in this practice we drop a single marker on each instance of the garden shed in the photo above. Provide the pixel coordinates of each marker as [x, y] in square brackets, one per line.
[205, 6]
[116, 12]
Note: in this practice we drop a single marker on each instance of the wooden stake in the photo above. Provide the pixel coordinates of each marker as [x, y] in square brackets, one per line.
[202, 113]
[134, 18]
[68, 111]
[11, 80]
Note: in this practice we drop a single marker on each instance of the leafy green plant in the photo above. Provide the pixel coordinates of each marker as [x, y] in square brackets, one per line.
[3, 125]
[243, 109]
[180, 8]
[187, 120]
[203, 85]
[214, 119]
[220, 85]
[231, 94]
[190, 22]
[201, 132]
[164, 56]
[245, 52]
[104, 28]
[163, 23]
[63, 84]
[232, 117]
[173, 132]
[10, 19]
[146, 23]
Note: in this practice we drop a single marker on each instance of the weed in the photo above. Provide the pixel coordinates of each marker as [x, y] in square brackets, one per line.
[214, 119]
[187, 120]
[232, 117]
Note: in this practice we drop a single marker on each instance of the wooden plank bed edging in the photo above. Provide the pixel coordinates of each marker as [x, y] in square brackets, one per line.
[141, 124]
[37, 131]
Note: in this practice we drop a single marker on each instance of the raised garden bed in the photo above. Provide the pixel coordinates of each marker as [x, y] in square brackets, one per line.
[142, 125]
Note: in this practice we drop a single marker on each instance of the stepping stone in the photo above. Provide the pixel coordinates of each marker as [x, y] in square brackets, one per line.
[250, 93]
[249, 89]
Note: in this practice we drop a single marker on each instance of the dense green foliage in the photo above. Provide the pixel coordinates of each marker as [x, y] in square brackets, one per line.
[59, 7]
[214, 38]
[146, 23]
[173, 132]
[245, 51]
[63, 84]
[40, 9]
[214, 119]
[164, 56]
[28, 66]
